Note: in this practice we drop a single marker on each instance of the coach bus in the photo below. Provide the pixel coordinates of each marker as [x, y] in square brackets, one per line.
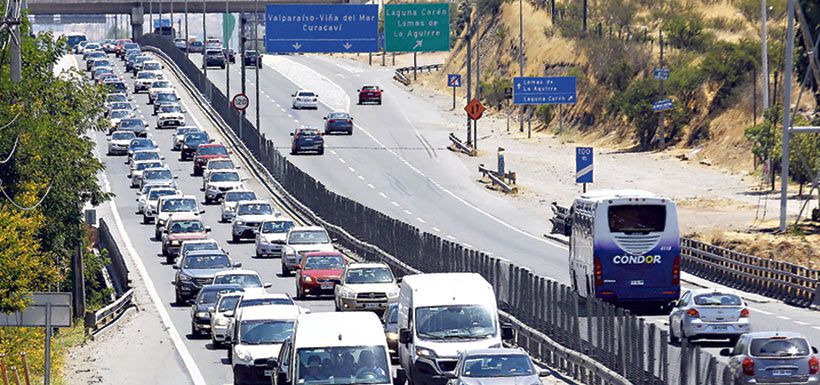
[625, 247]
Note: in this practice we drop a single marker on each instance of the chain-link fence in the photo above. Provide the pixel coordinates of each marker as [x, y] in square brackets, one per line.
[591, 340]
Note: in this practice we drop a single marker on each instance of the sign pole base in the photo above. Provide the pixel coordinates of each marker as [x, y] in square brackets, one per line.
[585, 188]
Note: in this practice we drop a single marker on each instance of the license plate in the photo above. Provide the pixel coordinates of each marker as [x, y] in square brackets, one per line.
[636, 282]
[371, 305]
[782, 372]
[327, 286]
[720, 327]
[268, 373]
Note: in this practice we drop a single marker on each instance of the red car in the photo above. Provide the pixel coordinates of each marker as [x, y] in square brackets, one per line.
[319, 273]
[370, 94]
[119, 50]
[206, 152]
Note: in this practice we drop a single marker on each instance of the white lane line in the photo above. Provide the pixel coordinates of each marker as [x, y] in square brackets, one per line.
[353, 170]
[277, 105]
[436, 229]
[290, 116]
[468, 245]
[801, 323]
[371, 186]
[360, 177]
[760, 311]
[383, 195]
[451, 237]
[816, 327]
[784, 317]
[332, 152]
[408, 212]
[176, 338]
[394, 203]
[421, 220]
[296, 120]
[342, 160]
[283, 110]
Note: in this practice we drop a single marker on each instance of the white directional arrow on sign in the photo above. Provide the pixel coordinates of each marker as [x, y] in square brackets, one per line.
[418, 44]
[296, 46]
[347, 45]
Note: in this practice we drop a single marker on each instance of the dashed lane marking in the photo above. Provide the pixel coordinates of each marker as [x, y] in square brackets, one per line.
[408, 212]
[371, 185]
[394, 203]
[353, 170]
[436, 229]
[360, 177]
[760, 311]
[383, 195]
[421, 220]
[342, 160]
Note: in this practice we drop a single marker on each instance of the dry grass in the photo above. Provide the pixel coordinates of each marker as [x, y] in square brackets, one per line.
[800, 249]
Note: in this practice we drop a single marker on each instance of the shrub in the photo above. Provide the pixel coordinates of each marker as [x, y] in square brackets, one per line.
[685, 83]
[636, 104]
[685, 31]
[493, 91]
[727, 64]
[544, 113]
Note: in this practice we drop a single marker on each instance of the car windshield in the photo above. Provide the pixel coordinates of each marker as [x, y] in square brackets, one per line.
[131, 123]
[306, 94]
[199, 246]
[146, 75]
[345, 365]
[225, 177]
[244, 280]
[120, 106]
[209, 296]
[161, 84]
[116, 98]
[255, 209]
[227, 303]
[220, 165]
[718, 299]
[119, 114]
[210, 261]
[170, 109]
[157, 174]
[181, 227]
[257, 332]
[212, 150]
[265, 302]
[339, 115]
[369, 275]
[779, 347]
[144, 165]
[156, 194]
[151, 66]
[308, 132]
[455, 322]
[308, 237]
[127, 135]
[236, 196]
[166, 97]
[324, 262]
[142, 143]
[370, 88]
[496, 365]
[179, 205]
[146, 155]
[196, 137]
[276, 227]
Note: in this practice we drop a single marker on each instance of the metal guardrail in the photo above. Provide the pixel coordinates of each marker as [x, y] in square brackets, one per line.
[500, 181]
[99, 319]
[401, 73]
[791, 283]
[399, 77]
[460, 146]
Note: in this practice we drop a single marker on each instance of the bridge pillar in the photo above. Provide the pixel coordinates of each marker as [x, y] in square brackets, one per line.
[137, 14]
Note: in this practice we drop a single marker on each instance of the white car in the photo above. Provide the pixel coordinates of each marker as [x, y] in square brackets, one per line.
[249, 215]
[115, 116]
[709, 314]
[302, 240]
[248, 279]
[119, 141]
[146, 155]
[258, 335]
[226, 304]
[138, 167]
[153, 66]
[170, 116]
[198, 245]
[158, 86]
[179, 136]
[220, 182]
[173, 204]
[144, 80]
[148, 202]
[231, 199]
[216, 164]
[305, 99]
[366, 286]
[115, 98]
[271, 237]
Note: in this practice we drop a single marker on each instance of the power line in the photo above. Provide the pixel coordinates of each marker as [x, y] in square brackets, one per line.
[22, 208]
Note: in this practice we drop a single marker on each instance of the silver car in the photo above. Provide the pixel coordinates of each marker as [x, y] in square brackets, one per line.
[495, 366]
[708, 314]
[772, 358]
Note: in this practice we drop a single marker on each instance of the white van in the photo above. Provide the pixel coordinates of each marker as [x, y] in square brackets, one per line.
[441, 315]
[334, 348]
[257, 337]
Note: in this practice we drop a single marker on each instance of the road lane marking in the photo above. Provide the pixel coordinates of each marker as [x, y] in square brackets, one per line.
[451, 237]
[332, 152]
[467, 245]
[760, 311]
[436, 229]
[383, 195]
[371, 185]
[801, 323]
[784, 317]
[816, 327]
[394, 203]
[296, 120]
[421, 220]
[360, 177]
[408, 212]
[353, 170]
[342, 160]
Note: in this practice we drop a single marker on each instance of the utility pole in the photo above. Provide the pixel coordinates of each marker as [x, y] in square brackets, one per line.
[242, 21]
[521, 56]
[187, 41]
[172, 21]
[764, 57]
[585, 17]
[787, 102]
[468, 39]
[16, 68]
[257, 64]
[663, 94]
[151, 15]
[204, 43]
[477, 72]
[116, 26]
[227, 39]
[160, 17]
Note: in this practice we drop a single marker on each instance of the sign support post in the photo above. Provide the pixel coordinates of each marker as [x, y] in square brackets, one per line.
[454, 81]
[47, 374]
[583, 166]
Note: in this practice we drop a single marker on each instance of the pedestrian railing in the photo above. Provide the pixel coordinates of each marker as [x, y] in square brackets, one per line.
[99, 319]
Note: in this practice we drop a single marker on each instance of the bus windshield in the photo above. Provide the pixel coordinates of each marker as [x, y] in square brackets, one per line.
[637, 218]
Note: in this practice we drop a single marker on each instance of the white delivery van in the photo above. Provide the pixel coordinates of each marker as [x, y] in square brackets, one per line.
[334, 348]
[441, 315]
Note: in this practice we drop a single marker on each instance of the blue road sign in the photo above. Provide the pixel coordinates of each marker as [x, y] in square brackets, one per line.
[661, 73]
[163, 22]
[662, 105]
[291, 28]
[544, 90]
[583, 165]
[453, 80]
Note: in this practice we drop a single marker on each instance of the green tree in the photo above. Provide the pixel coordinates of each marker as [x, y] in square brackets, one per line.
[636, 104]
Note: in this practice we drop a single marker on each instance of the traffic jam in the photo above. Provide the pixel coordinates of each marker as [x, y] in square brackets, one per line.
[423, 329]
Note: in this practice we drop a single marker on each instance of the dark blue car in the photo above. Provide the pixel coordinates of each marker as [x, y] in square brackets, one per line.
[306, 139]
[339, 122]
[140, 144]
[191, 142]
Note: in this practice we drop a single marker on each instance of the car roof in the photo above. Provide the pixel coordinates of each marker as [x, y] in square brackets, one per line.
[216, 160]
[496, 352]
[770, 334]
[224, 171]
[169, 197]
[279, 219]
[184, 217]
[323, 254]
[265, 295]
[145, 160]
[253, 202]
[306, 228]
[221, 286]
[206, 252]
[365, 265]
[270, 312]
[714, 290]
[327, 329]
[240, 191]
[206, 145]
[193, 241]
[236, 272]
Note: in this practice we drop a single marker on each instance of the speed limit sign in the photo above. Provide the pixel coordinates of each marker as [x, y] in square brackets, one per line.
[240, 102]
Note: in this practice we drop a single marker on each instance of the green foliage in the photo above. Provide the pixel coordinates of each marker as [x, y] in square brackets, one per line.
[765, 138]
[544, 113]
[685, 83]
[811, 8]
[486, 7]
[685, 31]
[97, 295]
[728, 64]
[493, 91]
[750, 9]
[636, 104]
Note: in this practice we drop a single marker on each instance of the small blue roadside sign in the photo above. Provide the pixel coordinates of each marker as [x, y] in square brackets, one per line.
[453, 80]
[662, 105]
[661, 73]
[583, 165]
[322, 28]
[544, 90]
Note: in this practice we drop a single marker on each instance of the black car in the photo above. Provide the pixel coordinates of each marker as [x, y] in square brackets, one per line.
[252, 58]
[136, 67]
[138, 126]
[213, 58]
[206, 300]
[230, 54]
[115, 86]
[197, 269]
[307, 139]
[164, 98]
[89, 61]
[339, 122]
[196, 47]
[191, 142]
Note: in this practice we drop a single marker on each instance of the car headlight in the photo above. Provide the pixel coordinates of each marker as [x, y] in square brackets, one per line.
[174, 243]
[425, 352]
[393, 293]
[307, 279]
[160, 222]
[202, 314]
[496, 346]
[347, 293]
[243, 355]
[221, 322]
[239, 222]
[211, 187]
[185, 278]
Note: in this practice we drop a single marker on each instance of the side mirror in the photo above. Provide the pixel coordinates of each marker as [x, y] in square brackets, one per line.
[211, 309]
[176, 176]
[146, 125]
[207, 229]
[358, 90]
[293, 95]
[291, 134]
[449, 376]
[507, 332]
[814, 350]
[726, 352]
[210, 140]
[266, 285]
[107, 139]
[544, 373]
[228, 314]
[202, 211]
[176, 267]
[237, 264]
[673, 304]
[272, 363]
[334, 240]
[162, 157]
[405, 336]
[398, 280]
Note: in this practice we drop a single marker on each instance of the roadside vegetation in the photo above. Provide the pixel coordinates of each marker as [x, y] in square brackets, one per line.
[49, 173]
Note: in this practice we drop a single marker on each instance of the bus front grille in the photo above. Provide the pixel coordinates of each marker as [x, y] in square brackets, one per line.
[637, 244]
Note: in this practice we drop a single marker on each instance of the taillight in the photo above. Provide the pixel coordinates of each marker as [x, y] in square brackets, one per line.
[748, 366]
[693, 313]
[676, 271]
[331, 121]
[744, 313]
[599, 272]
[814, 365]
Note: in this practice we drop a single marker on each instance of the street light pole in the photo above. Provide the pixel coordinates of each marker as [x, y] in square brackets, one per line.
[187, 41]
[151, 15]
[787, 102]
[227, 39]
[764, 57]
[172, 21]
[204, 43]
[520, 59]
[257, 64]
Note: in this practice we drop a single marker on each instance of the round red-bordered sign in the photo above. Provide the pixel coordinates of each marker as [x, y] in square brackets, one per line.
[240, 102]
